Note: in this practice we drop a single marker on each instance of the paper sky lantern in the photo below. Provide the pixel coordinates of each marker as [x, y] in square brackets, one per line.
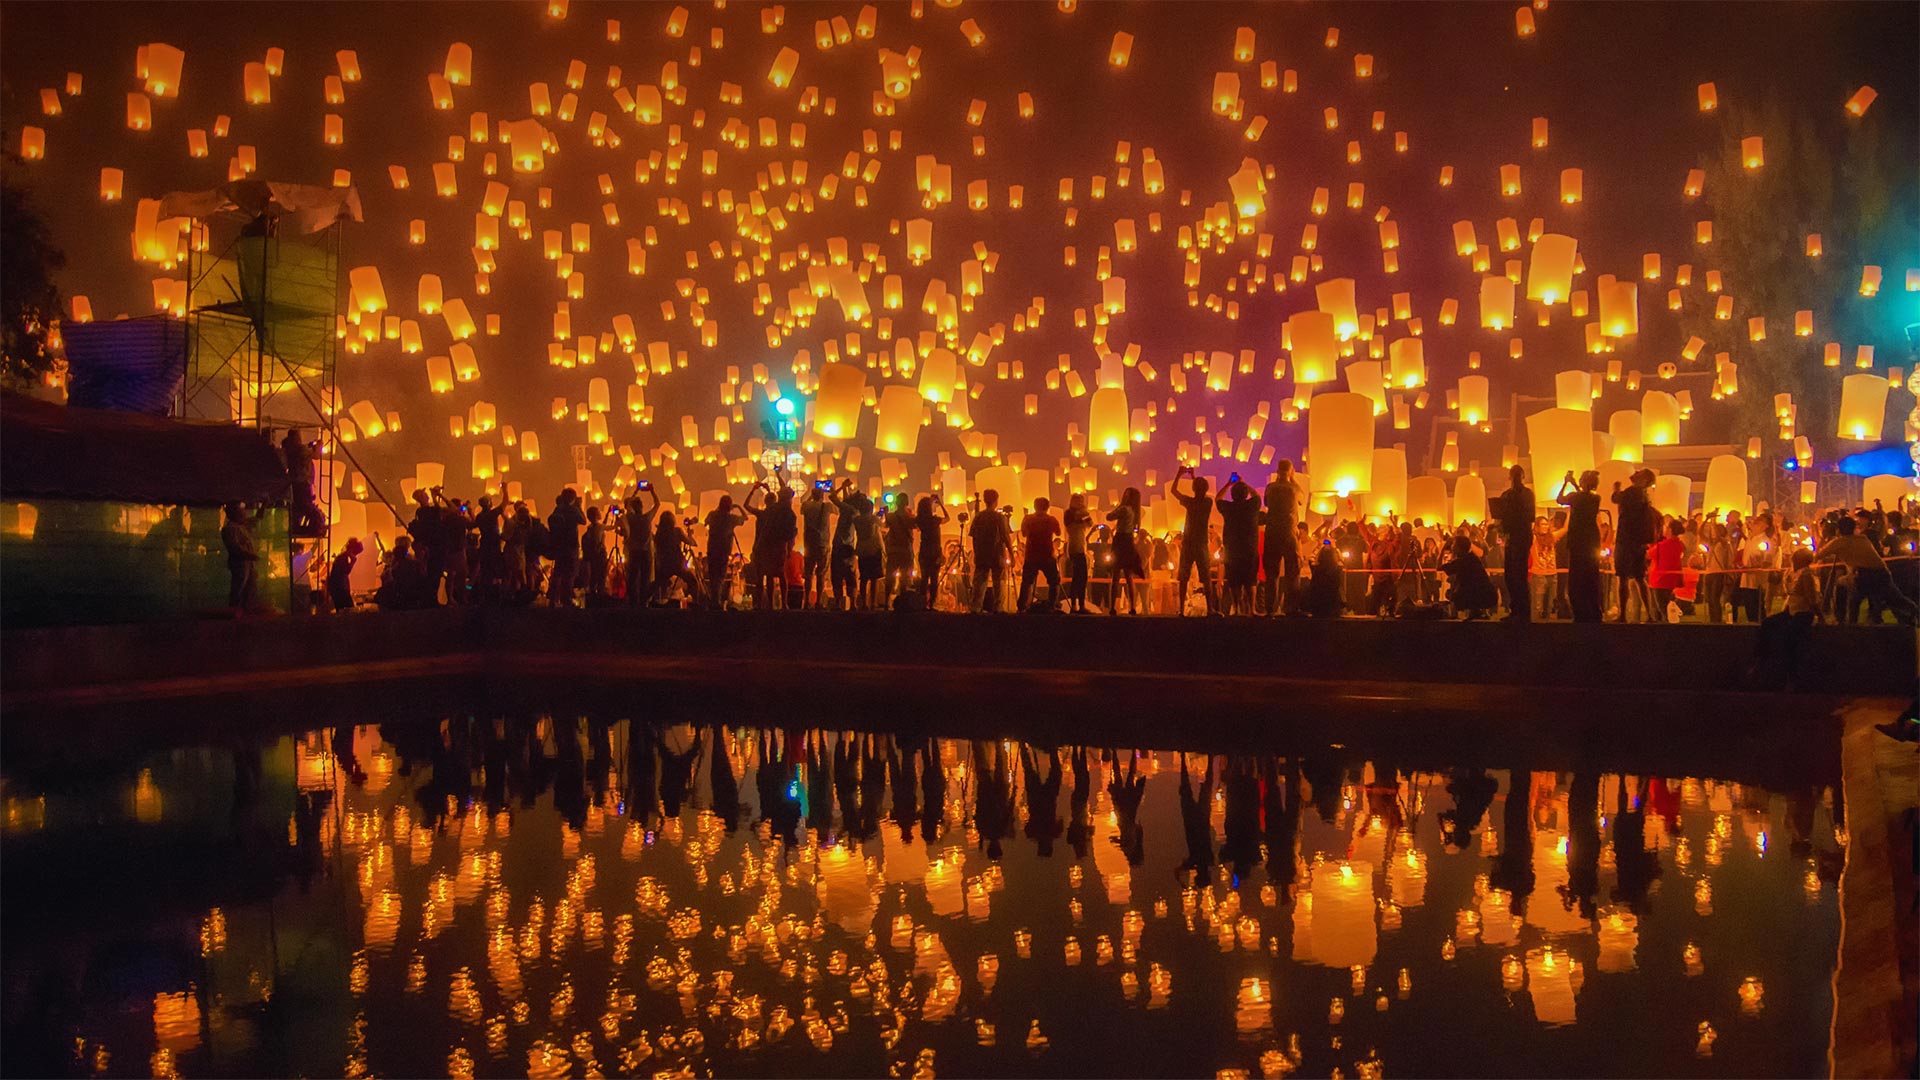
[1426, 499]
[1407, 367]
[1314, 345]
[1672, 495]
[1861, 99]
[367, 288]
[256, 86]
[1387, 490]
[164, 63]
[367, 418]
[837, 401]
[1573, 390]
[1727, 486]
[439, 374]
[899, 420]
[1473, 399]
[1335, 297]
[1558, 441]
[784, 63]
[1550, 268]
[1888, 489]
[1340, 442]
[1619, 308]
[1863, 407]
[1108, 421]
[1496, 303]
[1624, 426]
[1752, 153]
[1572, 184]
[1659, 419]
[1469, 499]
[483, 462]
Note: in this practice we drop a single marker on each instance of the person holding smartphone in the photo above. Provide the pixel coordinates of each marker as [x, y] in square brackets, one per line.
[1193, 538]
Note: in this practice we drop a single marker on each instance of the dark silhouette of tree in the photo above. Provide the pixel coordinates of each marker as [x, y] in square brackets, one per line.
[1851, 185]
[29, 300]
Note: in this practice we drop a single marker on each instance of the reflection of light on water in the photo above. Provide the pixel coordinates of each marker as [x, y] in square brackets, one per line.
[176, 1021]
[1407, 877]
[1552, 980]
[146, 798]
[383, 921]
[1340, 917]
[1753, 994]
[1619, 932]
[1253, 1008]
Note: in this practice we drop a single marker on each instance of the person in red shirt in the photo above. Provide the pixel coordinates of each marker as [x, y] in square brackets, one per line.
[1664, 574]
[1038, 531]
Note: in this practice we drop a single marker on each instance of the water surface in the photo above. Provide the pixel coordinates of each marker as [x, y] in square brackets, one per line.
[574, 896]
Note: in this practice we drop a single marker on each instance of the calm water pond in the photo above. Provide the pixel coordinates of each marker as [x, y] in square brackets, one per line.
[562, 896]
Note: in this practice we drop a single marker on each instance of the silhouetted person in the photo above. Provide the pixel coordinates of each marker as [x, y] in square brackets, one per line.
[340, 575]
[933, 792]
[1514, 510]
[563, 538]
[1193, 540]
[904, 806]
[1583, 544]
[1282, 811]
[243, 558]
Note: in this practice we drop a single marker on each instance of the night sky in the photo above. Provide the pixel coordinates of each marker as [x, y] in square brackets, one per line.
[1616, 82]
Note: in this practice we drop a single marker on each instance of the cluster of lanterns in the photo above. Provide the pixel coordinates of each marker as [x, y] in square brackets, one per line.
[777, 208]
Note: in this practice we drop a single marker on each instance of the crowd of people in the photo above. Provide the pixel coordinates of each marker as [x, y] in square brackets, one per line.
[1577, 554]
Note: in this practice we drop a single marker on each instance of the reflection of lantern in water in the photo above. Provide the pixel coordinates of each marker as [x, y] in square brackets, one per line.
[944, 892]
[1752, 995]
[176, 1021]
[1407, 877]
[1253, 1008]
[844, 895]
[1343, 931]
[1552, 978]
[146, 798]
[1619, 933]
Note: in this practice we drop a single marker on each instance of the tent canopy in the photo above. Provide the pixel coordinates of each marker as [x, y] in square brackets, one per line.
[58, 451]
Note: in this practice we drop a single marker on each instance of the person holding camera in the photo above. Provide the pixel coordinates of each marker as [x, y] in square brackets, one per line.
[1582, 500]
[636, 533]
[1193, 539]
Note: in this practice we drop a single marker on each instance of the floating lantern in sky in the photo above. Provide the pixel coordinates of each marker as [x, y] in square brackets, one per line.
[1726, 487]
[1340, 442]
[1559, 441]
[1550, 268]
[1863, 406]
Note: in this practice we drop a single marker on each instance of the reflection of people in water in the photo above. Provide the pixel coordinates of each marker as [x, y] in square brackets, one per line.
[1240, 847]
[643, 773]
[993, 795]
[846, 783]
[1043, 799]
[680, 748]
[1080, 812]
[1323, 775]
[723, 783]
[1512, 869]
[1583, 845]
[1634, 867]
[570, 773]
[1282, 809]
[1473, 791]
[873, 787]
[933, 792]
[819, 786]
[1126, 792]
[905, 799]
[1194, 808]
[778, 781]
